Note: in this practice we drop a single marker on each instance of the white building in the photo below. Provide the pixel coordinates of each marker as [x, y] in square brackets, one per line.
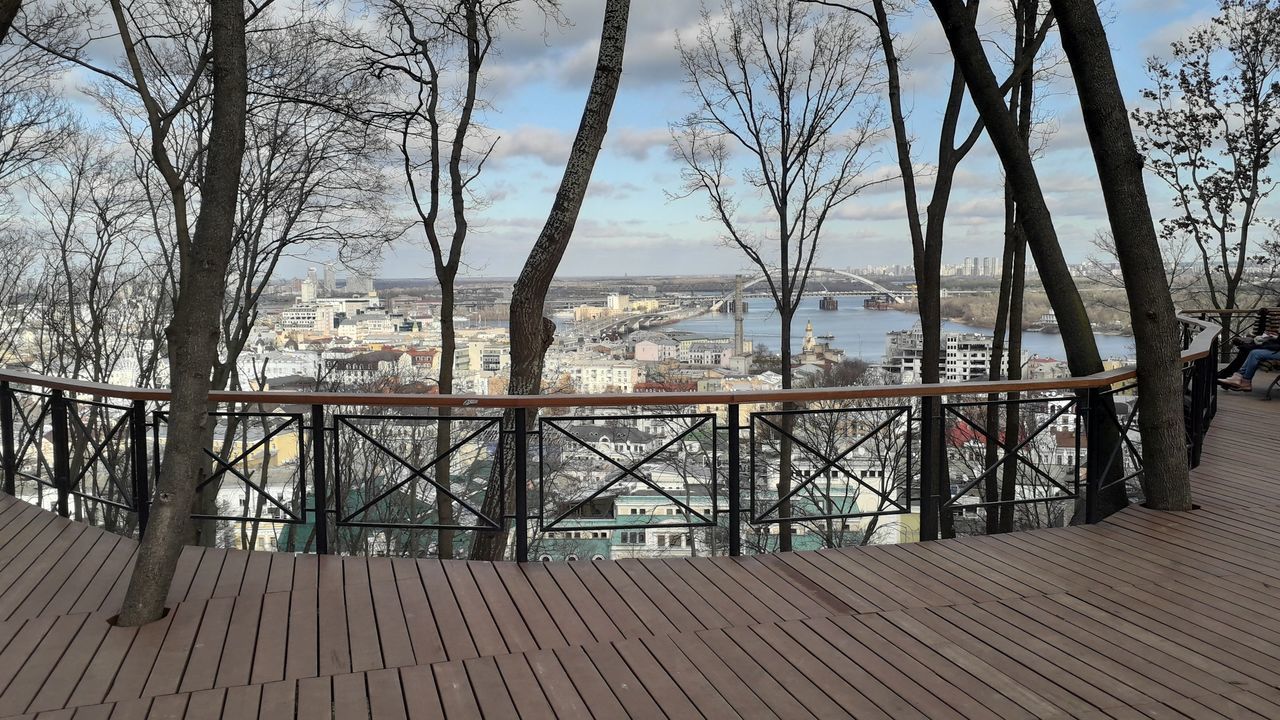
[309, 286]
[964, 356]
[603, 375]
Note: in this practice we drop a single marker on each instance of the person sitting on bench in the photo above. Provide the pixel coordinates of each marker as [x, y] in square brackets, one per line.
[1253, 352]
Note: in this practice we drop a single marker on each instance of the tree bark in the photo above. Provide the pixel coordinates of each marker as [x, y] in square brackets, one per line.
[1042, 238]
[1035, 220]
[193, 333]
[8, 11]
[444, 429]
[1166, 480]
[532, 333]
[1012, 422]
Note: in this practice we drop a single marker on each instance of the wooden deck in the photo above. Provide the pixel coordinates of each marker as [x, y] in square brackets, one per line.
[1147, 615]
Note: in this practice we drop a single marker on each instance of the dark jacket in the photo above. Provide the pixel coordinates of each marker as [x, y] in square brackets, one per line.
[1272, 344]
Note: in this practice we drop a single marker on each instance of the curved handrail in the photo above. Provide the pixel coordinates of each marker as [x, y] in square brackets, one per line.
[1228, 311]
[1199, 348]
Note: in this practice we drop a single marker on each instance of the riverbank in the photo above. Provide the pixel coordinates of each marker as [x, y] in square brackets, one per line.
[861, 333]
[1108, 310]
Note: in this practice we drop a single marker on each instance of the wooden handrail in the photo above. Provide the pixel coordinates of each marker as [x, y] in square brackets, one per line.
[1200, 347]
[1232, 311]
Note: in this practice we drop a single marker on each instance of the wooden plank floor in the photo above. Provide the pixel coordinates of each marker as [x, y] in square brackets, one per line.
[1148, 615]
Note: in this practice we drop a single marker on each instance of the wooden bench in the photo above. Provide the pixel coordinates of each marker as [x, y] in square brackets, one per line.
[1269, 322]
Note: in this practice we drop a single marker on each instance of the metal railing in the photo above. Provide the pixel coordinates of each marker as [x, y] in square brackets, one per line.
[364, 472]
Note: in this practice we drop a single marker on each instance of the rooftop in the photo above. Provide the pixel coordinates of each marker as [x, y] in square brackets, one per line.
[1145, 614]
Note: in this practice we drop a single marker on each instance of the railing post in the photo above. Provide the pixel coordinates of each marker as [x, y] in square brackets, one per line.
[1093, 463]
[141, 479]
[320, 481]
[6, 439]
[930, 467]
[1203, 386]
[522, 484]
[735, 479]
[1212, 371]
[61, 451]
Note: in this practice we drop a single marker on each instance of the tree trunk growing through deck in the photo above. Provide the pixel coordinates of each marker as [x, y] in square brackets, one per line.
[1036, 221]
[531, 332]
[193, 333]
[1166, 482]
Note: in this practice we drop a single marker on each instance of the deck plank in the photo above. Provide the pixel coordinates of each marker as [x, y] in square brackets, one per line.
[1146, 615]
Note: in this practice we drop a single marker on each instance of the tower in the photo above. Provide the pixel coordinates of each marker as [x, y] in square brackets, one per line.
[309, 286]
[739, 342]
[330, 283]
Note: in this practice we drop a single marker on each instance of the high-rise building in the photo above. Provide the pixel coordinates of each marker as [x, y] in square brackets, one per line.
[330, 283]
[309, 286]
[963, 356]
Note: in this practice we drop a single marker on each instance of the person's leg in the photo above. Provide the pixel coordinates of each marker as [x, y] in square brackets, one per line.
[1236, 363]
[1256, 358]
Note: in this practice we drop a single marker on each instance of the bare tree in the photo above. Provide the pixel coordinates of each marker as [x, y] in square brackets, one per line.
[786, 104]
[33, 119]
[531, 332]
[427, 48]
[1210, 125]
[193, 333]
[927, 229]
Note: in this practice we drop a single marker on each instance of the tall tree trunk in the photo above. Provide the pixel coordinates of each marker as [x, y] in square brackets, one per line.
[1073, 320]
[1012, 419]
[8, 11]
[996, 369]
[926, 239]
[1035, 220]
[193, 333]
[1166, 481]
[531, 332]
[784, 443]
[444, 430]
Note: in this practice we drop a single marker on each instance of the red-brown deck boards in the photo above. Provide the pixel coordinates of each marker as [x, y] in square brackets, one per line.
[241, 641]
[420, 623]
[1147, 615]
[302, 655]
[366, 650]
[393, 632]
[210, 644]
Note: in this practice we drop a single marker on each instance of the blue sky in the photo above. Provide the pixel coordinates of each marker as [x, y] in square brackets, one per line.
[630, 226]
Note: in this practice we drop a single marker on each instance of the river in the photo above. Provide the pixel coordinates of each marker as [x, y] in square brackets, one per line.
[860, 332]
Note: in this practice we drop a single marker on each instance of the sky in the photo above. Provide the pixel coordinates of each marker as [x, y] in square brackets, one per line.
[631, 225]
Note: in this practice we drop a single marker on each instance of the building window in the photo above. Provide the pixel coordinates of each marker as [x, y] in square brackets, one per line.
[632, 537]
[571, 557]
[544, 558]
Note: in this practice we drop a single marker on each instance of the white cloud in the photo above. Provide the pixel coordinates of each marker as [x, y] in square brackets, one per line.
[529, 141]
[636, 143]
